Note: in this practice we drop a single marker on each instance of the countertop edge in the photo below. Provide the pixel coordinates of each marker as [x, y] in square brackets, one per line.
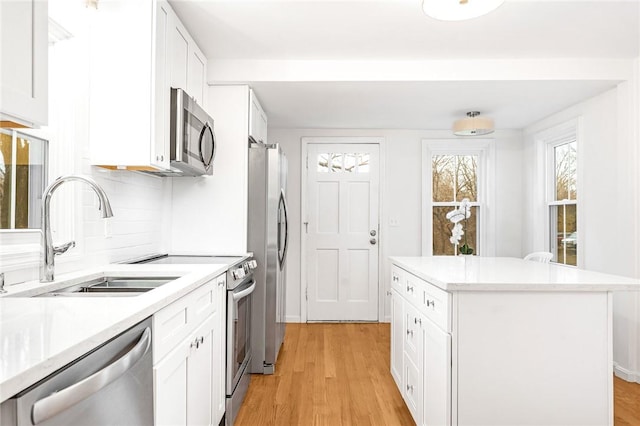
[163, 297]
[617, 283]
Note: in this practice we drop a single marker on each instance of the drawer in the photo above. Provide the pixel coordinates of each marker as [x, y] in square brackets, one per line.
[175, 322]
[397, 279]
[413, 334]
[437, 306]
[412, 391]
[414, 289]
[203, 302]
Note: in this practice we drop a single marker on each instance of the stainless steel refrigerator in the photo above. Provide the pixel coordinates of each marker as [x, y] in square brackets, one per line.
[267, 238]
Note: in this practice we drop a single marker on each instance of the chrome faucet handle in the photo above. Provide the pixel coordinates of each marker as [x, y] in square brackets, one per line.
[64, 247]
[2, 290]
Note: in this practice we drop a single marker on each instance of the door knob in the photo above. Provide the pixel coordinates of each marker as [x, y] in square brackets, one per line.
[372, 241]
[372, 233]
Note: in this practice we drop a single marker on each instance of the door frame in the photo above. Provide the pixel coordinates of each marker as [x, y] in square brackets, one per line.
[340, 140]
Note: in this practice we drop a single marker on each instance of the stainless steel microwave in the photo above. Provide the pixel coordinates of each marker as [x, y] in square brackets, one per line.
[193, 142]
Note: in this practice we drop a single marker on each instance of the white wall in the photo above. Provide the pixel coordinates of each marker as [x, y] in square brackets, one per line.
[401, 196]
[608, 201]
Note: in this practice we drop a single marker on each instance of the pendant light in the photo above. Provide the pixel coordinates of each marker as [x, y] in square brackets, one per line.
[473, 125]
[458, 10]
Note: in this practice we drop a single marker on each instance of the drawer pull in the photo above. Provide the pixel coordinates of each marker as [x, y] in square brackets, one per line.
[197, 342]
[417, 320]
[431, 303]
[410, 388]
[395, 278]
[409, 289]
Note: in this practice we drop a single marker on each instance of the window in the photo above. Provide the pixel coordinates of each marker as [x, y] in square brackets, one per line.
[343, 162]
[562, 195]
[22, 179]
[454, 171]
[454, 178]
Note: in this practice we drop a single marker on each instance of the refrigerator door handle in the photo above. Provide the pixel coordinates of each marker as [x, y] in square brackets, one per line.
[283, 256]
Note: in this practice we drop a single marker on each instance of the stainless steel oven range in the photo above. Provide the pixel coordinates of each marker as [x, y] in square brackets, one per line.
[240, 286]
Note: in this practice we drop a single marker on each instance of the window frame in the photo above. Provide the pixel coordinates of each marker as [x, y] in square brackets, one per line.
[547, 140]
[484, 149]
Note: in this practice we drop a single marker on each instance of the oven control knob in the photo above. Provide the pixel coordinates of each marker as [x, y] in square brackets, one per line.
[238, 273]
[253, 264]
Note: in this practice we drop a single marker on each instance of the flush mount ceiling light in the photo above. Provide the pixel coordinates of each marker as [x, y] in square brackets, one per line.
[473, 125]
[458, 10]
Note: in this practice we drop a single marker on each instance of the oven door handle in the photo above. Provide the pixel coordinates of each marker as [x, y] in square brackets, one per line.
[68, 397]
[244, 293]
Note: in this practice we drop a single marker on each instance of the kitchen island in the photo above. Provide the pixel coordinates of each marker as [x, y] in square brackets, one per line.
[503, 341]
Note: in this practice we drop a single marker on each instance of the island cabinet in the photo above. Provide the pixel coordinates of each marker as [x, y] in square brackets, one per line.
[140, 50]
[23, 63]
[188, 353]
[502, 341]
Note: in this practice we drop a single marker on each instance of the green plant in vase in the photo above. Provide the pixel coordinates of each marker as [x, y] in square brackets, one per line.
[458, 216]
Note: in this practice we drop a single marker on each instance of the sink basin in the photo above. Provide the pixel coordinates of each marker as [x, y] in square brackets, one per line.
[111, 286]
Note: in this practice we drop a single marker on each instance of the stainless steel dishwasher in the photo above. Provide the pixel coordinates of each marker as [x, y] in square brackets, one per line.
[112, 385]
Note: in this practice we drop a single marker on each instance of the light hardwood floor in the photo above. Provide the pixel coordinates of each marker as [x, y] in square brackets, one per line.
[338, 374]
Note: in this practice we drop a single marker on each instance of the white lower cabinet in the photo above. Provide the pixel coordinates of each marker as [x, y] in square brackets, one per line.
[189, 375]
[219, 354]
[184, 380]
[499, 356]
[420, 349]
[436, 385]
[397, 338]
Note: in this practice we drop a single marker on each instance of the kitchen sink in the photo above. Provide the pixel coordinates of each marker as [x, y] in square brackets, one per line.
[111, 286]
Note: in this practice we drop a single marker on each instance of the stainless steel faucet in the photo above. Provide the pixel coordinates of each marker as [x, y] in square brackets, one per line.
[48, 250]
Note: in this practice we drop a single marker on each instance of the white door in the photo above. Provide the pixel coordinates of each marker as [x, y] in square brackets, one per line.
[342, 232]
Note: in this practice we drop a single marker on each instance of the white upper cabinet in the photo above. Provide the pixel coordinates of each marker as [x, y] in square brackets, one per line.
[140, 51]
[257, 119]
[23, 63]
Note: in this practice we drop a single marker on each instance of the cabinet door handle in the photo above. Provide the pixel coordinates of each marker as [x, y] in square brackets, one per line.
[395, 278]
[389, 293]
[410, 289]
[410, 332]
[410, 388]
[417, 320]
[431, 303]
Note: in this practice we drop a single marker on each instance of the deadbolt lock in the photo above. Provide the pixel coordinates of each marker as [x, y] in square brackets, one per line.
[372, 233]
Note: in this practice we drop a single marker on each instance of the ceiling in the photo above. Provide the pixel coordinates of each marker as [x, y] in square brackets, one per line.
[397, 30]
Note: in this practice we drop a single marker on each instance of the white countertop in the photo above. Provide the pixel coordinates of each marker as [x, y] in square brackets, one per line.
[40, 335]
[476, 273]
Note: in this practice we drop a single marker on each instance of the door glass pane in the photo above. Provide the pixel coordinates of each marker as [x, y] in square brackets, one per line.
[443, 177]
[363, 163]
[467, 177]
[336, 162]
[323, 163]
[350, 162]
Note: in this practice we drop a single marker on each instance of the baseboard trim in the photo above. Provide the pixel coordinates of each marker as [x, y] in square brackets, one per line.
[625, 374]
[292, 318]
